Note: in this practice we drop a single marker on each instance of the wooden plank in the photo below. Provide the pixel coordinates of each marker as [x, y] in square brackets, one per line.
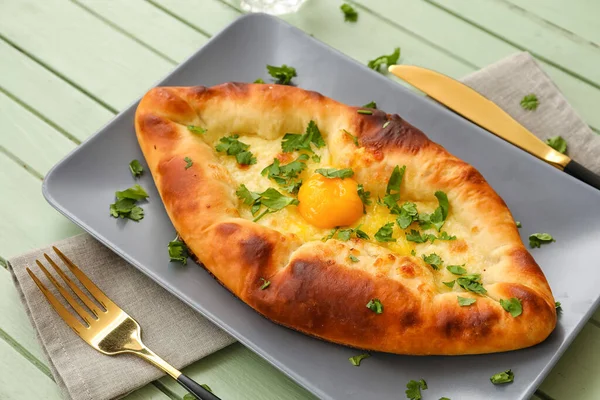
[19, 379]
[28, 221]
[148, 392]
[50, 96]
[29, 138]
[237, 373]
[210, 18]
[529, 32]
[476, 47]
[575, 17]
[141, 19]
[103, 61]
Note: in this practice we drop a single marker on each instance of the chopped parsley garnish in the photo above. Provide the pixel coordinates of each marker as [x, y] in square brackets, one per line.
[283, 75]
[415, 236]
[530, 102]
[136, 192]
[351, 136]
[297, 141]
[413, 252]
[408, 214]
[444, 236]
[413, 389]
[125, 206]
[518, 223]
[538, 239]
[371, 104]
[316, 158]
[513, 306]
[471, 283]
[353, 258]
[285, 175]
[259, 80]
[375, 306]
[557, 305]
[438, 217]
[335, 173]
[465, 301]
[350, 14]
[330, 235]
[270, 198]
[357, 359]
[392, 191]
[444, 398]
[503, 377]
[136, 168]
[196, 129]
[178, 251]
[387, 60]
[188, 162]
[456, 269]
[557, 143]
[385, 124]
[365, 112]
[265, 284]
[449, 284]
[364, 196]
[233, 147]
[345, 234]
[434, 260]
[384, 234]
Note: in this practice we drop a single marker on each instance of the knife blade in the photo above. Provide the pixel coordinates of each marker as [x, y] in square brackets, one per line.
[465, 101]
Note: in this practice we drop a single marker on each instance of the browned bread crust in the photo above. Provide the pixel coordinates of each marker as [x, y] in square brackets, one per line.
[313, 288]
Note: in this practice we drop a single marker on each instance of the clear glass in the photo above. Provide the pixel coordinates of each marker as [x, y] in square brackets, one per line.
[274, 7]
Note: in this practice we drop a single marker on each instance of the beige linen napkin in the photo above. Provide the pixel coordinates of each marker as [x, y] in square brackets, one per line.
[180, 335]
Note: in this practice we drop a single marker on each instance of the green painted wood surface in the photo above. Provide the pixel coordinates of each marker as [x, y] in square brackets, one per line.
[67, 67]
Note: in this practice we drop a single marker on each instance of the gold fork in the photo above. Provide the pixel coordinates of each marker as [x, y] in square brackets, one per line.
[109, 329]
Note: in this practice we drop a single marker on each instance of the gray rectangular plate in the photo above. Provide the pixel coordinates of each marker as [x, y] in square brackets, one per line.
[541, 197]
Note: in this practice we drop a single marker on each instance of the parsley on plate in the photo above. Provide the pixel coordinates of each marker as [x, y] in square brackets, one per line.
[136, 168]
[178, 251]
[371, 104]
[357, 359]
[413, 389]
[503, 377]
[125, 206]
[538, 239]
[283, 75]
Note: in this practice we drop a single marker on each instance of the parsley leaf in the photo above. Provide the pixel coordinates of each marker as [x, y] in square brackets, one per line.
[353, 258]
[503, 377]
[136, 213]
[465, 301]
[246, 195]
[557, 305]
[284, 175]
[189, 162]
[408, 214]
[178, 251]
[357, 359]
[513, 306]
[259, 80]
[413, 389]
[434, 260]
[365, 112]
[296, 141]
[136, 168]
[444, 236]
[471, 283]
[387, 60]
[384, 234]
[265, 284]
[196, 129]
[350, 14]
[330, 235]
[538, 239]
[283, 75]
[557, 143]
[375, 306]
[415, 236]
[530, 102]
[335, 173]
[270, 198]
[136, 192]
[344, 234]
[456, 269]
[449, 284]
[371, 104]
[438, 217]
[233, 147]
[518, 223]
[392, 191]
[444, 398]
[125, 206]
[413, 252]
[351, 136]
[364, 196]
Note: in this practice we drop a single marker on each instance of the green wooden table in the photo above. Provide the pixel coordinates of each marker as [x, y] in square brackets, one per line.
[67, 67]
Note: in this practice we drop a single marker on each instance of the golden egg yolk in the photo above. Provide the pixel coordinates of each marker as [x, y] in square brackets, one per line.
[329, 202]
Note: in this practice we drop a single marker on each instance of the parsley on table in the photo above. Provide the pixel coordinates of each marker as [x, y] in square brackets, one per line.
[283, 75]
[233, 147]
[465, 301]
[297, 141]
[270, 198]
[392, 191]
[503, 377]
[384, 234]
[375, 306]
[530, 102]
[335, 173]
[413, 389]
[351, 136]
[371, 104]
[125, 206]
[265, 284]
[350, 14]
[387, 60]
[136, 168]
[513, 306]
[434, 260]
[196, 129]
[353, 258]
[178, 251]
[364, 196]
[357, 359]
[557, 143]
[408, 214]
[259, 80]
[285, 175]
[439, 215]
[188, 162]
[456, 269]
[538, 239]
[471, 283]
[450, 284]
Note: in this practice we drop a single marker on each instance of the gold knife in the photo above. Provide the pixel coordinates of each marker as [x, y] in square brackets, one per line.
[467, 102]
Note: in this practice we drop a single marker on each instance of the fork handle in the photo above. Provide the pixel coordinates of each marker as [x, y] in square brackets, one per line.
[194, 388]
